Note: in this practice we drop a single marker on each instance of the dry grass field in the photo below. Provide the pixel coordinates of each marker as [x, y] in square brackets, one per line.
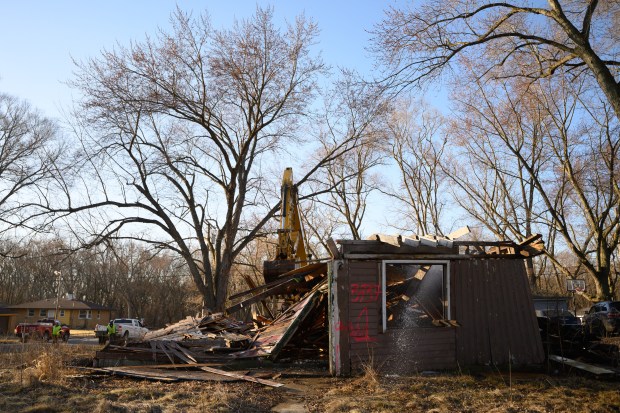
[44, 379]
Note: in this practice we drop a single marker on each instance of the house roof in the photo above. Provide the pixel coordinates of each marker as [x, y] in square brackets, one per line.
[6, 312]
[439, 247]
[63, 304]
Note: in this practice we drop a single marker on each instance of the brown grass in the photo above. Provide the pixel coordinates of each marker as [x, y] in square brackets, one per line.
[44, 380]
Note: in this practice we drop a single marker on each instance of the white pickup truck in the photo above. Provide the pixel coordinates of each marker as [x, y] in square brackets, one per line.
[127, 329]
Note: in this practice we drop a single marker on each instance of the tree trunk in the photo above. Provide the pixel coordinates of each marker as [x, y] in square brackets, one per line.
[604, 77]
[531, 274]
[603, 290]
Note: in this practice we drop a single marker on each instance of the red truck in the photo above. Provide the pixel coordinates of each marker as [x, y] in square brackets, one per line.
[42, 329]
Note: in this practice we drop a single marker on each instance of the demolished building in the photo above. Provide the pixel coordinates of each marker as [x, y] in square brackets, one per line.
[403, 304]
[407, 304]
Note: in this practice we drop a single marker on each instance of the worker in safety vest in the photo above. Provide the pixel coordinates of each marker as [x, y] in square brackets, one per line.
[56, 331]
[111, 328]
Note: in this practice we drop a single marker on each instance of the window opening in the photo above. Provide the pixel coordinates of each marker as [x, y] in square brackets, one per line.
[415, 294]
[85, 314]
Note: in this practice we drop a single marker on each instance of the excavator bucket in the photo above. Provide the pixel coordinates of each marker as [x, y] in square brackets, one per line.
[273, 269]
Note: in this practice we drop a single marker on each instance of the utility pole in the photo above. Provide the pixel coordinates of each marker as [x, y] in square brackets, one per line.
[58, 274]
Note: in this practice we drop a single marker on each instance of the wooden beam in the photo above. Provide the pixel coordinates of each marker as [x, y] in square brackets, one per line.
[459, 233]
[333, 248]
[356, 256]
[264, 294]
[394, 240]
[307, 269]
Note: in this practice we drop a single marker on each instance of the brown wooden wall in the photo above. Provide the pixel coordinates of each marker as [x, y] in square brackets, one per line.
[492, 302]
[398, 350]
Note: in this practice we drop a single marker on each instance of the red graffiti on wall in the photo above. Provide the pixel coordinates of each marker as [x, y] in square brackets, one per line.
[358, 328]
[365, 293]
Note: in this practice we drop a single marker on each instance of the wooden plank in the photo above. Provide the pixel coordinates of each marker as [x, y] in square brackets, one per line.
[298, 272]
[185, 351]
[161, 345]
[167, 375]
[179, 354]
[141, 375]
[412, 241]
[333, 248]
[459, 233]
[242, 377]
[425, 256]
[260, 296]
[597, 371]
[394, 240]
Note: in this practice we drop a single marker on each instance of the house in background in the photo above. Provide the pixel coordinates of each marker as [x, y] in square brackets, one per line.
[77, 314]
[7, 316]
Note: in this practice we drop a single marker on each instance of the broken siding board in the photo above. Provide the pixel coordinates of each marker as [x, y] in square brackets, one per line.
[333, 248]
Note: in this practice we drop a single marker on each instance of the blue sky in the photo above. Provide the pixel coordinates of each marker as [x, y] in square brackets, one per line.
[40, 38]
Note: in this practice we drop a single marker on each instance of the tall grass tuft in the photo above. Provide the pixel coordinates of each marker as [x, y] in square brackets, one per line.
[40, 362]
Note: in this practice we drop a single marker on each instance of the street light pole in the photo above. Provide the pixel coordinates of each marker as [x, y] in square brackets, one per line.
[58, 274]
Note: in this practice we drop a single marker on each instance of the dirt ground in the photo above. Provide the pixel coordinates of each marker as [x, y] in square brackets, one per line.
[45, 380]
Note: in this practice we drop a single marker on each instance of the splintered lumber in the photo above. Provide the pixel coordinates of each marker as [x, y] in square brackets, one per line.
[281, 287]
[271, 339]
[531, 246]
[297, 273]
[319, 270]
[175, 330]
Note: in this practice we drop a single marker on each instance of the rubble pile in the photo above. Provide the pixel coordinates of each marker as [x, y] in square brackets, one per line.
[220, 338]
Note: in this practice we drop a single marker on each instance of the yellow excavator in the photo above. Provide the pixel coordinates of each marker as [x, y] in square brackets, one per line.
[291, 249]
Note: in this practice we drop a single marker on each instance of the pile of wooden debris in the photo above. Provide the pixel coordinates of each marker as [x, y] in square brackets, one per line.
[218, 339]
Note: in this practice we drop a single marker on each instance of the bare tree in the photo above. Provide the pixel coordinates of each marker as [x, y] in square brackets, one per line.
[29, 152]
[491, 184]
[355, 111]
[510, 38]
[175, 131]
[542, 156]
[417, 149]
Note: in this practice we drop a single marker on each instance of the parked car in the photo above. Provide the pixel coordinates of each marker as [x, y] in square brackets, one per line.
[603, 319]
[562, 323]
[42, 330]
[127, 329]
